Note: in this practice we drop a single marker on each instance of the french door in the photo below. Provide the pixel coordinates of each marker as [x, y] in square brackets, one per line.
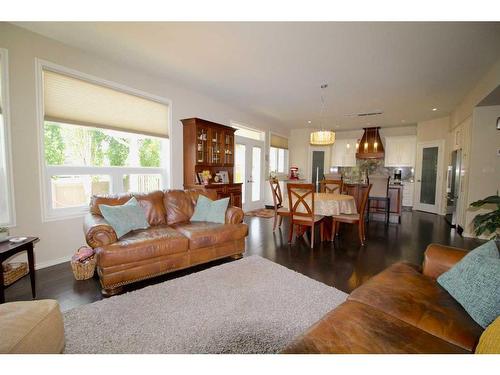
[429, 176]
[249, 170]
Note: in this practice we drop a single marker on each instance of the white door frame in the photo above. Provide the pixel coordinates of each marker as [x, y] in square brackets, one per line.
[250, 143]
[436, 207]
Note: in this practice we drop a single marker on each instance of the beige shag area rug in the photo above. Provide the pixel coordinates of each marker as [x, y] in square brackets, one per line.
[251, 305]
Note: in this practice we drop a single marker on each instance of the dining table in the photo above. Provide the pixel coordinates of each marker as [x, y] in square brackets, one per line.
[330, 204]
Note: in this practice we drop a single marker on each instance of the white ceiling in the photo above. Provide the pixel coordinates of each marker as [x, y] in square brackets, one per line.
[276, 69]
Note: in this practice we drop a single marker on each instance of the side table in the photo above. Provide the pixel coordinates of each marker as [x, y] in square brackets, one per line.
[8, 249]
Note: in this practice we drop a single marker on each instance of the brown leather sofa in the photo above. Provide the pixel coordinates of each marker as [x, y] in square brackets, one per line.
[171, 242]
[401, 310]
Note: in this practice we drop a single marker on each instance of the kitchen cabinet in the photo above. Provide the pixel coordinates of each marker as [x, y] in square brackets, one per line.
[400, 151]
[458, 138]
[408, 189]
[343, 153]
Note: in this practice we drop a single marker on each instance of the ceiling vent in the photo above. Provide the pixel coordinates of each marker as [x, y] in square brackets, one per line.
[365, 114]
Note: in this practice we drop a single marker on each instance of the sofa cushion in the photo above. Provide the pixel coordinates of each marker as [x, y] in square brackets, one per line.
[31, 327]
[489, 343]
[142, 244]
[354, 327]
[475, 281]
[403, 292]
[204, 234]
[125, 218]
[210, 210]
[152, 203]
[179, 204]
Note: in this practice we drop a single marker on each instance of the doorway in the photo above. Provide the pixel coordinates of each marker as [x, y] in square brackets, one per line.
[429, 169]
[249, 170]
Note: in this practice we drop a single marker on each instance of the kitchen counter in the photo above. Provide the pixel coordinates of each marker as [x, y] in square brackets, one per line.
[377, 208]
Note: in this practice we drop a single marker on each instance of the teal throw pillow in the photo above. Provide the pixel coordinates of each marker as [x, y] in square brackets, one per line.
[209, 210]
[474, 282]
[125, 218]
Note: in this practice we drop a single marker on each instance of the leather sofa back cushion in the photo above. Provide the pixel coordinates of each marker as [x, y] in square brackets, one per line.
[179, 204]
[152, 203]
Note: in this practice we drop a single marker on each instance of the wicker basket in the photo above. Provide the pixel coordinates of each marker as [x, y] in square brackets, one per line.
[13, 272]
[85, 270]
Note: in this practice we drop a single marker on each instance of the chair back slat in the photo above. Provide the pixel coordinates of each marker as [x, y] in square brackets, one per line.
[301, 200]
[380, 186]
[276, 193]
[364, 201]
[331, 186]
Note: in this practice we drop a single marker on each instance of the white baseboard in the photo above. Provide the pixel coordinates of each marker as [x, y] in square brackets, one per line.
[52, 262]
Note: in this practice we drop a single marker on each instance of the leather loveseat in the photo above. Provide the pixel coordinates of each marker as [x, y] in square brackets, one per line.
[171, 242]
[401, 310]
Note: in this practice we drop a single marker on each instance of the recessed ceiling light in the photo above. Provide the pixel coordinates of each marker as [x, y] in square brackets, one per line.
[434, 109]
[309, 121]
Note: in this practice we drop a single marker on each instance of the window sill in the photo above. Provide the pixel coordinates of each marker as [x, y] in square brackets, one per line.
[48, 218]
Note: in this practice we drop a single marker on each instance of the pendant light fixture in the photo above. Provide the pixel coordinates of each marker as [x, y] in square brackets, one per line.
[322, 137]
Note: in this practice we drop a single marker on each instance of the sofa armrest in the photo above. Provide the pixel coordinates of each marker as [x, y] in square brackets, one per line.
[234, 215]
[438, 259]
[97, 231]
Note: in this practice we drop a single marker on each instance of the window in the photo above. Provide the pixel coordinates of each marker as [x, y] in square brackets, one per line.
[97, 140]
[278, 154]
[246, 132]
[6, 193]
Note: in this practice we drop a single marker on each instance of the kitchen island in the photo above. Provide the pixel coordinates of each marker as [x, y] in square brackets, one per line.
[377, 208]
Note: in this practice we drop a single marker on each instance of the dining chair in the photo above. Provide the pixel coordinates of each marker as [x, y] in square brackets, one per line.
[354, 219]
[301, 206]
[379, 193]
[279, 210]
[331, 186]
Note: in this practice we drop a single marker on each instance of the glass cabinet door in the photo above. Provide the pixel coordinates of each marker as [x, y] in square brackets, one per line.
[216, 148]
[228, 149]
[202, 145]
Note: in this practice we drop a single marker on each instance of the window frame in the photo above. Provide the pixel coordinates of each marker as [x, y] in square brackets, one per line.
[116, 173]
[285, 156]
[278, 160]
[4, 72]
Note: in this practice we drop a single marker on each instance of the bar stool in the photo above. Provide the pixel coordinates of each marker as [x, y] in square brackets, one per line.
[379, 192]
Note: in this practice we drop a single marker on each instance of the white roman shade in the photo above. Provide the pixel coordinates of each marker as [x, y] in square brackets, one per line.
[74, 101]
[279, 142]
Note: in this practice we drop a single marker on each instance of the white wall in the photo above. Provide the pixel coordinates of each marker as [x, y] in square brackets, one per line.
[58, 240]
[484, 177]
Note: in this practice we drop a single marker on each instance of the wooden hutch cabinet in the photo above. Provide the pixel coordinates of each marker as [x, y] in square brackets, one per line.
[210, 146]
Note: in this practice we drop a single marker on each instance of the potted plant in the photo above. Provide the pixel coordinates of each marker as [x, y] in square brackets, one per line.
[4, 233]
[488, 223]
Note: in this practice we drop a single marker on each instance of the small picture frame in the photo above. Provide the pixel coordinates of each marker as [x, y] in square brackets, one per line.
[199, 178]
[498, 123]
[225, 176]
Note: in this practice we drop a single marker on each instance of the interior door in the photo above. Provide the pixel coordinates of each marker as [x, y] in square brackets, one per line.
[429, 176]
[249, 170]
[317, 170]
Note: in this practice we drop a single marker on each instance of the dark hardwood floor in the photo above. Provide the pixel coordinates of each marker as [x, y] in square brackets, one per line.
[343, 264]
